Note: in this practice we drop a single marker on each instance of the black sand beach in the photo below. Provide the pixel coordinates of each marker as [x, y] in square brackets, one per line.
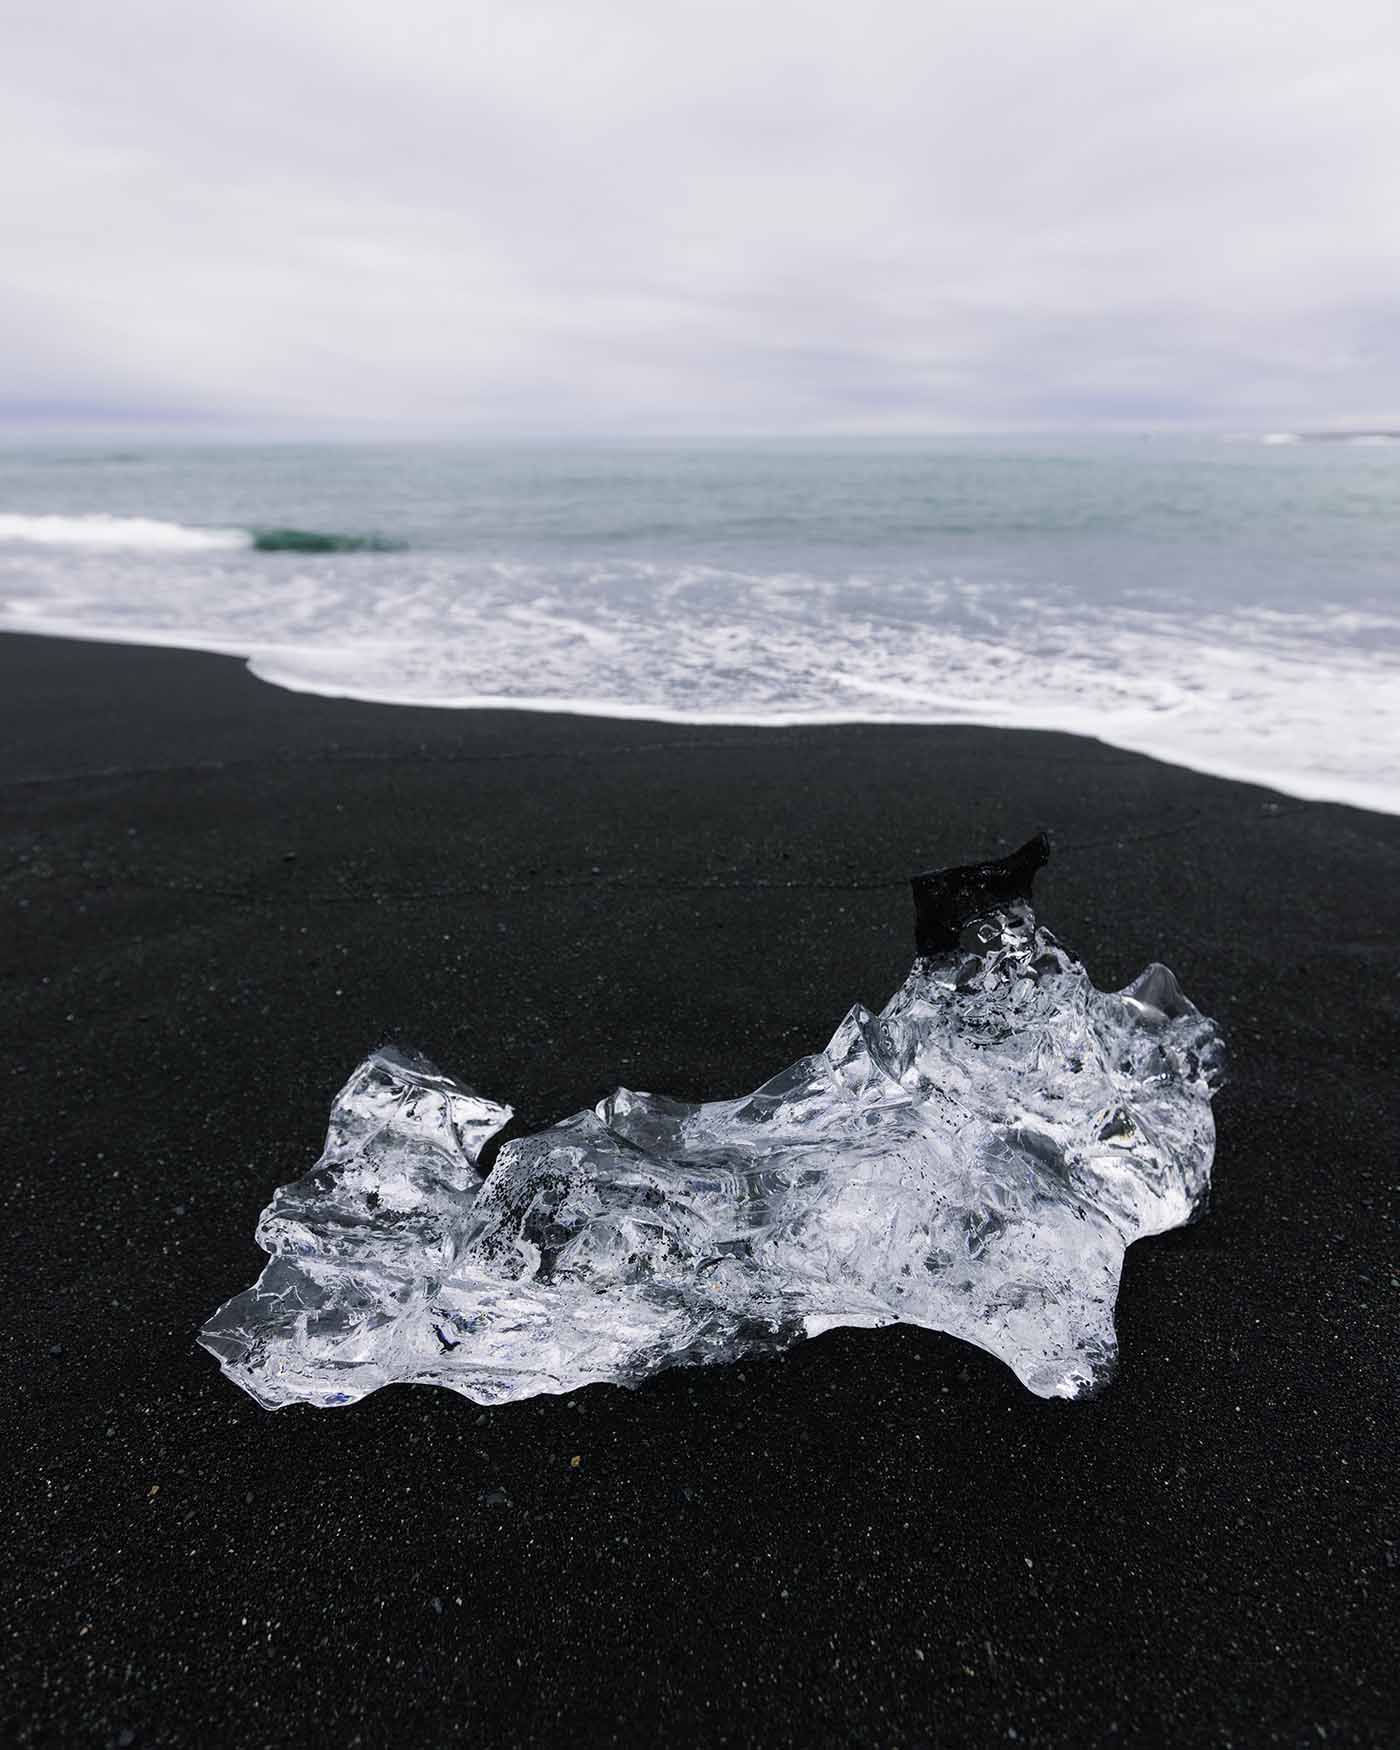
[218, 896]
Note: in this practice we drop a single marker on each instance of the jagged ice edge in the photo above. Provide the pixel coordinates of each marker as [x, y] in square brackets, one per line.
[974, 1160]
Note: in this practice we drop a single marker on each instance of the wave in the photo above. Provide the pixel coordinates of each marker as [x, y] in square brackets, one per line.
[312, 541]
[151, 535]
[1307, 701]
[127, 533]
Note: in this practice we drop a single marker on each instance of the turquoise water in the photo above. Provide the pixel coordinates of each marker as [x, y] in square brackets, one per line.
[1234, 606]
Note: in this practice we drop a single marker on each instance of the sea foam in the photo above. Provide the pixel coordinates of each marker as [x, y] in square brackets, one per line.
[1304, 699]
[151, 535]
[116, 533]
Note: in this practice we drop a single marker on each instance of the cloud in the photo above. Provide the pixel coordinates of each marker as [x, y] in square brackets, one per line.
[619, 216]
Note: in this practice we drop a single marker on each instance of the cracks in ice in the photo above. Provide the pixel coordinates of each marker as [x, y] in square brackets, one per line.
[974, 1159]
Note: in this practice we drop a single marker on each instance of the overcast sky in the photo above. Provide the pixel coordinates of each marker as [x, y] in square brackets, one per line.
[659, 215]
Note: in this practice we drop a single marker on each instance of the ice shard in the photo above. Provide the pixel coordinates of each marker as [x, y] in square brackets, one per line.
[973, 1159]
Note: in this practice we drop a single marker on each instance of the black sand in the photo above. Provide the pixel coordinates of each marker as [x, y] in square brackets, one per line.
[218, 896]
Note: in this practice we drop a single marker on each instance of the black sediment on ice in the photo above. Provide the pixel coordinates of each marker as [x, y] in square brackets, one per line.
[946, 901]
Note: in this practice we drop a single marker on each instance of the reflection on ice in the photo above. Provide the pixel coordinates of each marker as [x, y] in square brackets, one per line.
[973, 1159]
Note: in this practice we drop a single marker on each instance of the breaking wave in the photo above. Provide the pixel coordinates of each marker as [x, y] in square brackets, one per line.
[151, 535]
[119, 533]
[311, 541]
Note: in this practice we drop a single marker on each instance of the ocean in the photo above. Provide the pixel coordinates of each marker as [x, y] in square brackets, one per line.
[1229, 605]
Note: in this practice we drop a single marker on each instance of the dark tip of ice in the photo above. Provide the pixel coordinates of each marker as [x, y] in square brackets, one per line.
[947, 900]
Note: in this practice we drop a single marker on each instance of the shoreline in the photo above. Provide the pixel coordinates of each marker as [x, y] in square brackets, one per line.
[221, 894]
[1374, 798]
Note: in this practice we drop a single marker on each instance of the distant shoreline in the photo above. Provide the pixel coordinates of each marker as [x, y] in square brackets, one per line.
[1330, 437]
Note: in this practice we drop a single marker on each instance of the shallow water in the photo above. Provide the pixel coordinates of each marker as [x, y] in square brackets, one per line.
[1233, 606]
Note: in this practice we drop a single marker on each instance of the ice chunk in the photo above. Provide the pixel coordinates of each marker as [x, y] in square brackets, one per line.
[974, 1159]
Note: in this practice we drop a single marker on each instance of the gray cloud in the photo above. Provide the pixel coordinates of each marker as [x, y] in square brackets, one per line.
[664, 215]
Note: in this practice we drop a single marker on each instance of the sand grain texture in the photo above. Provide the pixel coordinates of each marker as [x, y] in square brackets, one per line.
[218, 896]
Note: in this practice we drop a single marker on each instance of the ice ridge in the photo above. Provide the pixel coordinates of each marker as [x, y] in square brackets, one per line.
[974, 1159]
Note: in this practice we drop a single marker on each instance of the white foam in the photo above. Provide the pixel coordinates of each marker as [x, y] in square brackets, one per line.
[1305, 702]
[129, 533]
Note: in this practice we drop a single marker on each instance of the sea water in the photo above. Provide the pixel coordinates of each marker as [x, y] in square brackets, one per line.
[1229, 605]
